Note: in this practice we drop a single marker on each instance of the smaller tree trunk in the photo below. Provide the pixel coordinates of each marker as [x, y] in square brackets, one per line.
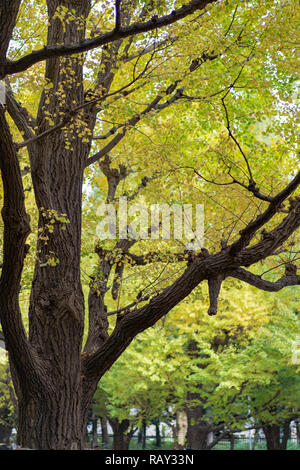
[298, 431]
[255, 438]
[197, 437]
[144, 434]
[140, 436]
[231, 437]
[198, 429]
[5, 433]
[121, 439]
[104, 431]
[94, 431]
[286, 435]
[157, 436]
[272, 433]
[273, 437]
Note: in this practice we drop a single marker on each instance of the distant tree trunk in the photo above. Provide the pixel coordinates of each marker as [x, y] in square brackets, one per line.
[104, 431]
[121, 438]
[197, 434]
[272, 434]
[94, 430]
[297, 423]
[157, 435]
[231, 437]
[5, 433]
[255, 439]
[286, 434]
[140, 436]
[198, 429]
[7, 408]
[144, 434]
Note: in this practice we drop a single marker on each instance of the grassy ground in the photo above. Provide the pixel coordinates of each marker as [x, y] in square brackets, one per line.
[242, 444]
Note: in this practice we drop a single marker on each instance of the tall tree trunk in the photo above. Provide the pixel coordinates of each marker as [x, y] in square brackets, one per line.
[55, 417]
[140, 436]
[52, 419]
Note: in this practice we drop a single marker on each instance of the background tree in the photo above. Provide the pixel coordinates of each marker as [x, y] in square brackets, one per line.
[141, 386]
[257, 379]
[241, 373]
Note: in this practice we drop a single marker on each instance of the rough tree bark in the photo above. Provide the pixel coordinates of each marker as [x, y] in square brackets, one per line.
[56, 312]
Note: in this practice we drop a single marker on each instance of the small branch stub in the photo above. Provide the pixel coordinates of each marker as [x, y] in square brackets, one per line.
[214, 287]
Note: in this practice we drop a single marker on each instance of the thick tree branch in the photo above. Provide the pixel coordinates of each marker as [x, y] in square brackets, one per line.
[248, 232]
[16, 230]
[154, 23]
[257, 281]
[272, 240]
[20, 115]
[140, 260]
[203, 267]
